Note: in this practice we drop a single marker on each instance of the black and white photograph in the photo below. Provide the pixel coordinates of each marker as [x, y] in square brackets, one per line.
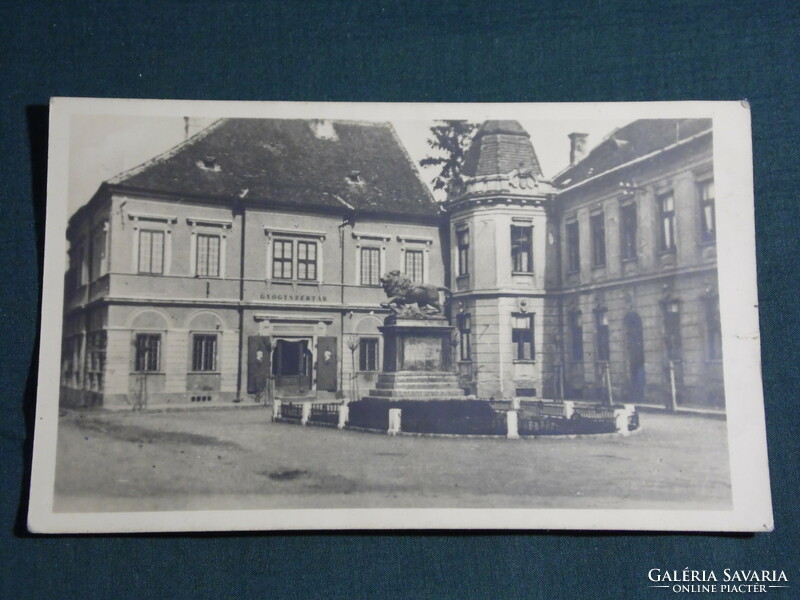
[399, 316]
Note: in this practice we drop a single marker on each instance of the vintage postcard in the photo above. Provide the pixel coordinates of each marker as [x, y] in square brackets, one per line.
[320, 316]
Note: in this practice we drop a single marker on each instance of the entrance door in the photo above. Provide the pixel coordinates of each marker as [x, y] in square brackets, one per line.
[258, 364]
[292, 366]
[635, 339]
[326, 364]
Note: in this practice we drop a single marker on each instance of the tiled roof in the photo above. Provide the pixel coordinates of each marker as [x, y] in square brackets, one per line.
[499, 147]
[303, 163]
[635, 140]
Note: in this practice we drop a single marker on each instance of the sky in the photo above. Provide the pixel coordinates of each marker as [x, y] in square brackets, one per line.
[102, 146]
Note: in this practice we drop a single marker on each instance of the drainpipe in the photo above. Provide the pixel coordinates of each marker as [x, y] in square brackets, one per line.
[239, 207]
[347, 220]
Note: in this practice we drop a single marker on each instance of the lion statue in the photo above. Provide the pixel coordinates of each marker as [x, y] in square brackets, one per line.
[403, 293]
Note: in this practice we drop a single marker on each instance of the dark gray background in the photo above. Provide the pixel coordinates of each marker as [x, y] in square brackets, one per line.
[392, 51]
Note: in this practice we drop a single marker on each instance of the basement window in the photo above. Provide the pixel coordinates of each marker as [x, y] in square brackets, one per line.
[209, 163]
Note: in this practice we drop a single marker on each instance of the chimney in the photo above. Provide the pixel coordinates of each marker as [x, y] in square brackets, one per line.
[577, 147]
[191, 125]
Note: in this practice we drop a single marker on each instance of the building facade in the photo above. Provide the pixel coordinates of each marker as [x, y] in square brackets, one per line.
[246, 261]
[600, 284]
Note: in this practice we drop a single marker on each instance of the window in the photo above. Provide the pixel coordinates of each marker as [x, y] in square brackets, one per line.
[368, 354]
[148, 352]
[573, 248]
[522, 249]
[708, 220]
[204, 352]
[603, 341]
[294, 259]
[414, 265]
[307, 261]
[98, 246]
[95, 360]
[522, 336]
[672, 330]
[151, 252]
[282, 259]
[207, 255]
[666, 208]
[462, 242]
[598, 225]
[627, 216]
[464, 323]
[713, 329]
[576, 336]
[370, 266]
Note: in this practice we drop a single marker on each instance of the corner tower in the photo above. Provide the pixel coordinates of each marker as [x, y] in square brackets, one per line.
[503, 264]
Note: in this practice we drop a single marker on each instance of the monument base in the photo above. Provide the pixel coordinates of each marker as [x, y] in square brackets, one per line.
[417, 361]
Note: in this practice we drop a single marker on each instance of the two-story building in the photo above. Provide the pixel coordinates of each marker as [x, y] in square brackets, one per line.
[639, 285]
[600, 283]
[248, 259]
[248, 256]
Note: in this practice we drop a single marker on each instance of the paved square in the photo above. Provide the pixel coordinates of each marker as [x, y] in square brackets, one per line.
[231, 459]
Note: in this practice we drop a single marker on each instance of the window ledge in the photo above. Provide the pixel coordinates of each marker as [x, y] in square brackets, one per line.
[286, 281]
[598, 267]
[632, 259]
[711, 242]
[522, 273]
[204, 372]
[524, 361]
[668, 252]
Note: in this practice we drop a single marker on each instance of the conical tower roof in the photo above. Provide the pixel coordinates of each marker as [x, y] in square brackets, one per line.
[499, 147]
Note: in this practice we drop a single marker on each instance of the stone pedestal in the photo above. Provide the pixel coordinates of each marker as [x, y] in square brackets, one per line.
[417, 362]
[416, 344]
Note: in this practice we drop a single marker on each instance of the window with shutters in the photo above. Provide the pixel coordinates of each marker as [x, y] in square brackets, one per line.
[522, 336]
[151, 251]
[627, 216]
[522, 249]
[207, 255]
[462, 244]
[464, 323]
[672, 330]
[148, 352]
[708, 221]
[306, 260]
[368, 354]
[282, 259]
[713, 329]
[414, 267]
[573, 248]
[370, 266]
[598, 227]
[576, 336]
[603, 336]
[204, 352]
[666, 212]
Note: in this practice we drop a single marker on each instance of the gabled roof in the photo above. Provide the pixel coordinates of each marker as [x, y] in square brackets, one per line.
[635, 140]
[303, 163]
[500, 147]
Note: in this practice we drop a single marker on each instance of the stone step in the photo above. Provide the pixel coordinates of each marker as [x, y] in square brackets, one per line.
[416, 398]
[421, 376]
[432, 394]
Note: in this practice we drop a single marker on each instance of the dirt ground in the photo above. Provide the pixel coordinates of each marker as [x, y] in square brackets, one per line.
[229, 459]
